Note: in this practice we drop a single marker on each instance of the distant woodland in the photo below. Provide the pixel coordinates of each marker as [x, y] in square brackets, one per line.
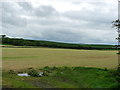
[39, 43]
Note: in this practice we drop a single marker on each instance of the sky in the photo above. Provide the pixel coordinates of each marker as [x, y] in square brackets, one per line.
[71, 21]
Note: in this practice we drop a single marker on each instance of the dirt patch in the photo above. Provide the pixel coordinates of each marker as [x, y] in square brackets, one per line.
[40, 84]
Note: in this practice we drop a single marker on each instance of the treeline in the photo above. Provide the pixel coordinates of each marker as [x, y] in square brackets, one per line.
[39, 43]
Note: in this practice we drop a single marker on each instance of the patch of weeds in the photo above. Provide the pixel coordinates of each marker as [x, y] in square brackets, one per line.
[54, 68]
[47, 69]
[115, 74]
[30, 68]
[54, 74]
[33, 72]
[65, 68]
[12, 72]
[105, 69]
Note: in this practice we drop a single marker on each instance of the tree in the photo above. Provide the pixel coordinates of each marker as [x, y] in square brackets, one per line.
[116, 24]
[2, 36]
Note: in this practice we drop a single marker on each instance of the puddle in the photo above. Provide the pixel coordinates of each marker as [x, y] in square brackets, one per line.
[26, 74]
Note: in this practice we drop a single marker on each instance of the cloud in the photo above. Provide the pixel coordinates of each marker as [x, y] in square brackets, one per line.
[26, 5]
[94, 14]
[11, 15]
[83, 22]
[45, 11]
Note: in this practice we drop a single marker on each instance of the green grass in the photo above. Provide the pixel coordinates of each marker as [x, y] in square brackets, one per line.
[84, 77]
[11, 80]
[63, 77]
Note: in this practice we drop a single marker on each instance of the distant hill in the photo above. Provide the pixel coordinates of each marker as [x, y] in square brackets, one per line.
[51, 44]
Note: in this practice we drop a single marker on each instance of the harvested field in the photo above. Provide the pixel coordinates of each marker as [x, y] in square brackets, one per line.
[21, 58]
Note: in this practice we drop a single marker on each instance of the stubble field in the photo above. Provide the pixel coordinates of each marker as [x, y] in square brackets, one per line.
[21, 58]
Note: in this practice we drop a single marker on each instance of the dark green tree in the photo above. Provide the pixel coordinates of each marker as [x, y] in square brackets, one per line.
[116, 24]
[2, 36]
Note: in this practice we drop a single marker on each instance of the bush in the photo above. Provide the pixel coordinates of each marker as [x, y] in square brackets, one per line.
[33, 72]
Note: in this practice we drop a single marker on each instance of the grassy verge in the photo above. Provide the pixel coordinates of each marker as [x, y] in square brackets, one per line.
[64, 77]
[13, 81]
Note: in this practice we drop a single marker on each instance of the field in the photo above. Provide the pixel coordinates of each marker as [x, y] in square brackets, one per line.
[21, 58]
[68, 68]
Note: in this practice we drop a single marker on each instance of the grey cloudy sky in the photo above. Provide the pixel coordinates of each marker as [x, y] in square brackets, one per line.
[78, 21]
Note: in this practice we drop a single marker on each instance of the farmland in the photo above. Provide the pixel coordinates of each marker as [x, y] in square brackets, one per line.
[21, 58]
[64, 68]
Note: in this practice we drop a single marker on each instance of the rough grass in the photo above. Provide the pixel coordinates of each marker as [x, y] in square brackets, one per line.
[63, 77]
[21, 58]
[82, 77]
[11, 80]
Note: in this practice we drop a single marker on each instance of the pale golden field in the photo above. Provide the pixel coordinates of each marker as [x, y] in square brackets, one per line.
[21, 58]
